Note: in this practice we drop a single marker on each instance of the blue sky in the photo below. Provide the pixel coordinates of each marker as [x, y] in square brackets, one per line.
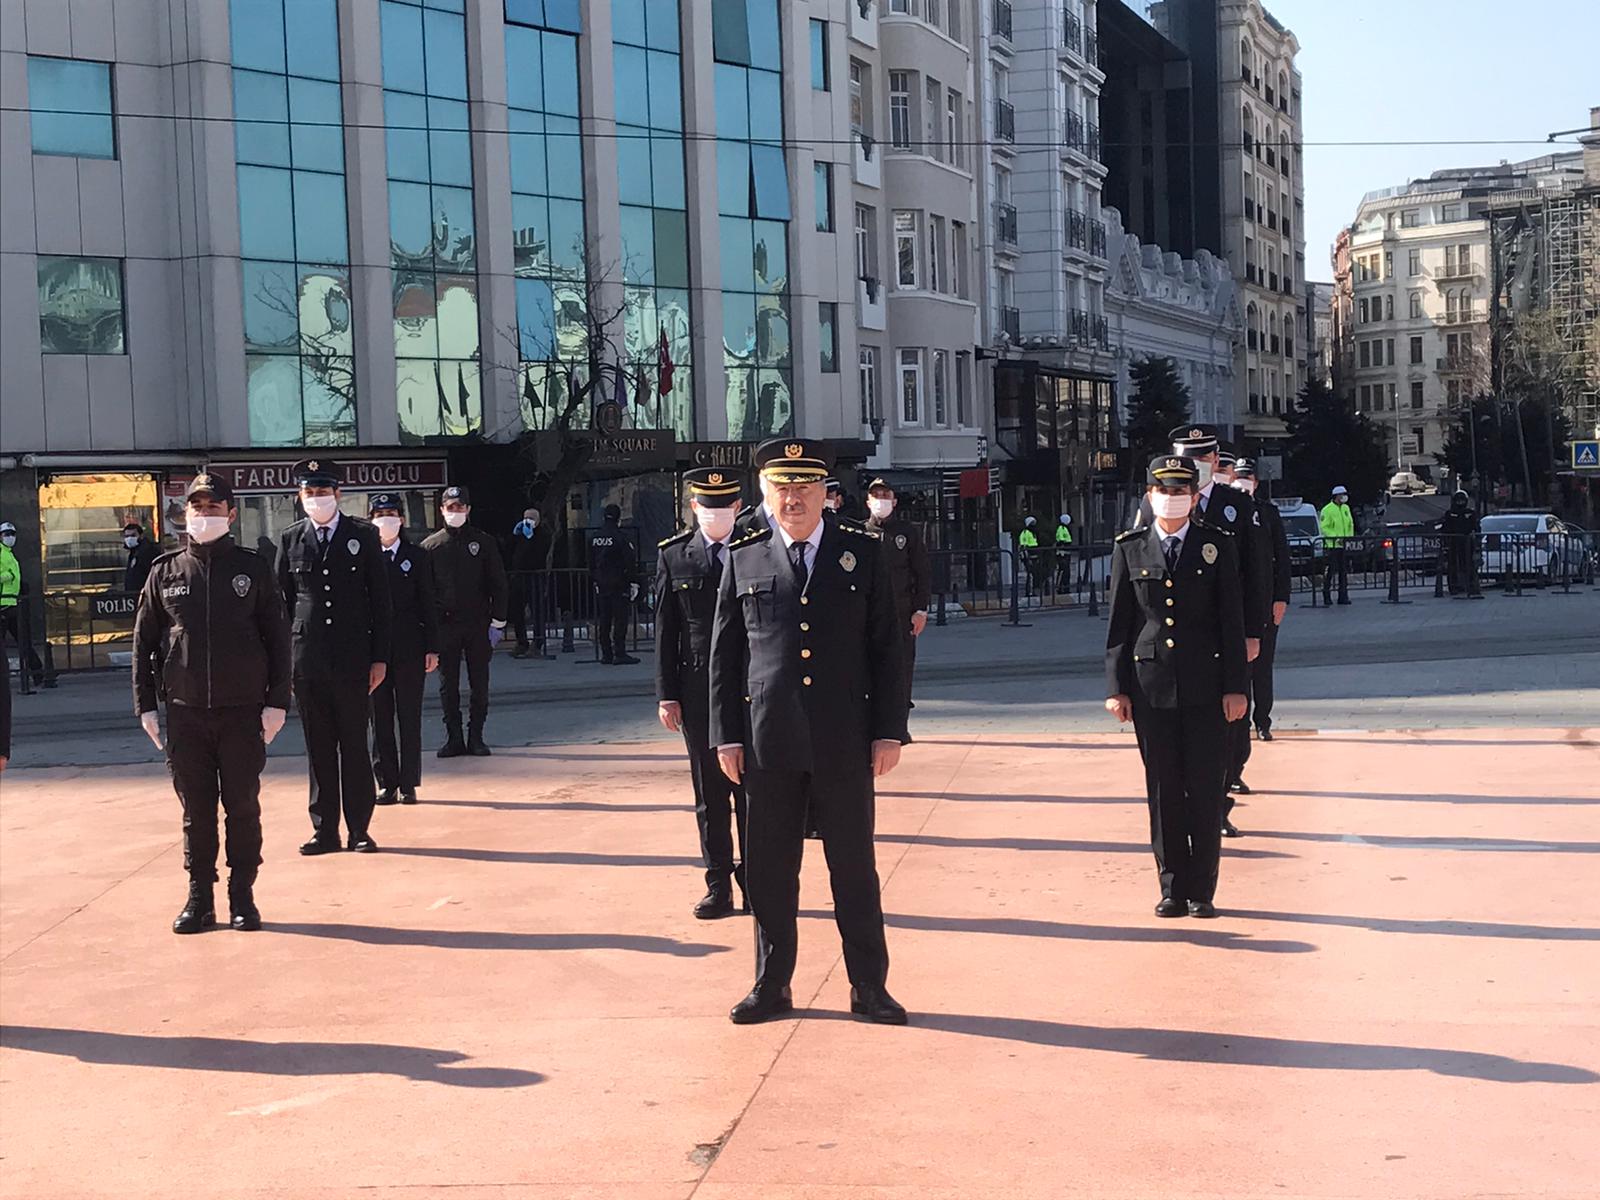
[1431, 71]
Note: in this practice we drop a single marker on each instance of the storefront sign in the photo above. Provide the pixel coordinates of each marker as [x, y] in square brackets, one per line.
[731, 456]
[630, 449]
[360, 474]
[114, 604]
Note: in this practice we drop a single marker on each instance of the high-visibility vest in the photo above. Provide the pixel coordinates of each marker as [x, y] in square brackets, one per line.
[1063, 536]
[1028, 539]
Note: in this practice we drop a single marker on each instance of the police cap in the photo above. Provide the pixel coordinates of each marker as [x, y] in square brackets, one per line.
[210, 485]
[1226, 457]
[792, 460]
[317, 472]
[381, 501]
[455, 492]
[835, 488]
[1172, 470]
[1197, 440]
[712, 487]
[1245, 468]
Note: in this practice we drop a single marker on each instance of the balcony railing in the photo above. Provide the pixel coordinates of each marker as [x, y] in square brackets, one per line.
[1072, 33]
[1005, 224]
[1005, 121]
[1449, 270]
[1249, 208]
[1273, 285]
[1074, 131]
[1455, 364]
[1249, 141]
[1272, 219]
[1102, 333]
[1250, 272]
[1097, 238]
[1094, 142]
[1011, 323]
[1078, 327]
[1077, 230]
[1286, 230]
[1272, 157]
[1091, 48]
[1002, 19]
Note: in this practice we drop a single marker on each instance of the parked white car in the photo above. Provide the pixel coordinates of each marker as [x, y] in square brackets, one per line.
[1536, 546]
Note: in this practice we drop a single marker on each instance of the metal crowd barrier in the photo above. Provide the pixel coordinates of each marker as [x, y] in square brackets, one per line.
[558, 609]
[1453, 563]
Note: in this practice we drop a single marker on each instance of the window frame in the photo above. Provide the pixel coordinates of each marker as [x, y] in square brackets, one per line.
[109, 116]
[909, 367]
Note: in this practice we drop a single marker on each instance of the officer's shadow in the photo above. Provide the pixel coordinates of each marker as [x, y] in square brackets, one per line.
[248, 1057]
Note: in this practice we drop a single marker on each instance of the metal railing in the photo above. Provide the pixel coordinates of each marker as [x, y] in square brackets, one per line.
[1005, 121]
[555, 611]
[1074, 132]
[1005, 224]
[996, 581]
[1002, 19]
[1091, 48]
[1097, 238]
[1072, 32]
[1077, 230]
[1011, 323]
[1459, 563]
[1093, 144]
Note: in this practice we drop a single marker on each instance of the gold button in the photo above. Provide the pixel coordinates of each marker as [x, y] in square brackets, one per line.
[1169, 583]
[1146, 571]
[806, 653]
[1171, 643]
[805, 599]
[1170, 621]
[806, 680]
[1170, 601]
[805, 627]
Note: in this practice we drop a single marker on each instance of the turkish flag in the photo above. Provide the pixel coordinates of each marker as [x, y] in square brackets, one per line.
[664, 366]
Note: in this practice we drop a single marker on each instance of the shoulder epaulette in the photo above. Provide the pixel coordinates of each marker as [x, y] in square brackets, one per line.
[1216, 529]
[250, 550]
[1136, 531]
[861, 530]
[751, 538]
[682, 535]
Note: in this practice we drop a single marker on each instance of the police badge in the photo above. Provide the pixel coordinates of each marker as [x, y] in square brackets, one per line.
[847, 560]
[1209, 553]
[899, 541]
[405, 566]
[241, 586]
[1230, 512]
[353, 545]
[472, 548]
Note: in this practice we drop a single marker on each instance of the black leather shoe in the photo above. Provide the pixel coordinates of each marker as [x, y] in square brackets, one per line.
[1229, 829]
[477, 748]
[319, 846]
[762, 1004]
[715, 904]
[1240, 786]
[520, 652]
[1203, 909]
[387, 796]
[408, 795]
[1263, 733]
[624, 660]
[242, 911]
[199, 911]
[1170, 908]
[453, 746]
[364, 844]
[877, 1006]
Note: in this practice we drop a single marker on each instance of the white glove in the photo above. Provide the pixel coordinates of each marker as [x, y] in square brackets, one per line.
[152, 727]
[633, 591]
[272, 723]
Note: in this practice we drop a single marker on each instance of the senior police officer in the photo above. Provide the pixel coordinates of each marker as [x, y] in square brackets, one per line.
[909, 571]
[413, 655]
[807, 709]
[1175, 667]
[688, 569]
[337, 592]
[469, 578]
[1261, 682]
[210, 637]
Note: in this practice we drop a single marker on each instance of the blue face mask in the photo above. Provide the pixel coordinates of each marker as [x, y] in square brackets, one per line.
[523, 529]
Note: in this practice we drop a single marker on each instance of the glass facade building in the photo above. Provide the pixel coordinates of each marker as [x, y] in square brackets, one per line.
[754, 213]
[294, 245]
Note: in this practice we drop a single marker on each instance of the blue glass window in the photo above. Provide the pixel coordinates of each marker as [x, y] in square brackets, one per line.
[820, 79]
[71, 108]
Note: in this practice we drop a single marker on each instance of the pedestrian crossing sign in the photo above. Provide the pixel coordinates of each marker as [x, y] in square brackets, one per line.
[1586, 454]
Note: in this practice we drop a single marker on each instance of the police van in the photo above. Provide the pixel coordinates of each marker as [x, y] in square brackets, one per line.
[1304, 531]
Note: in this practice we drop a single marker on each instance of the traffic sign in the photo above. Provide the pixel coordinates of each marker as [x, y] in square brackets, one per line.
[1586, 454]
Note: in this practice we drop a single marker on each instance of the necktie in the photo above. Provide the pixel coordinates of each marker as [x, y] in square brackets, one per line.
[797, 559]
[1170, 546]
[716, 560]
[322, 536]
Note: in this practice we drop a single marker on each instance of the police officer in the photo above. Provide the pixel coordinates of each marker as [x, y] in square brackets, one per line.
[1261, 680]
[1337, 526]
[211, 638]
[1175, 667]
[13, 590]
[1028, 550]
[333, 579]
[688, 570]
[141, 554]
[611, 563]
[413, 655]
[833, 496]
[470, 579]
[1064, 552]
[909, 572]
[807, 708]
[1226, 473]
[1458, 529]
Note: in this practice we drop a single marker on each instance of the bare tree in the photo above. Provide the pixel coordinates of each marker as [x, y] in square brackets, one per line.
[322, 351]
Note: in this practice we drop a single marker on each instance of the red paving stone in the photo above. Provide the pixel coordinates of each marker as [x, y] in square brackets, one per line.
[512, 1000]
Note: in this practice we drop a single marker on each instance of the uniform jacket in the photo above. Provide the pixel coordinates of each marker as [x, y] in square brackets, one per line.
[532, 554]
[339, 609]
[908, 564]
[1337, 522]
[1278, 537]
[1230, 509]
[140, 559]
[807, 681]
[1175, 637]
[415, 631]
[686, 605]
[210, 631]
[10, 578]
[469, 576]
[751, 519]
[611, 560]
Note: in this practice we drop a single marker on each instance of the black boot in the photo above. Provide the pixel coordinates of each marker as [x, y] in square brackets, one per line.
[453, 746]
[716, 903]
[199, 911]
[242, 910]
[475, 743]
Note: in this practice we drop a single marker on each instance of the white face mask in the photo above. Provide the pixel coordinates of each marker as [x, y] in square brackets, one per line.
[1247, 486]
[879, 507]
[206, 529]
[388, 528]
[320, 508]
[1170, 506]
[716, 523]
[454, 518]
[8, 539]
[130, 540]
[1206, 471]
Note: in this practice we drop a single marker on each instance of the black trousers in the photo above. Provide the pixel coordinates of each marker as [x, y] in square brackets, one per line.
[27, 656]
[718, 802]
[1459, 557]
[217, 754]
[843, 805]
[1336, 565]
[528, 608]
[611, 625]
[462, 640]
[333, 716]
[1239, 735]
[1261, 694]
[397, 701]
[1185, 755]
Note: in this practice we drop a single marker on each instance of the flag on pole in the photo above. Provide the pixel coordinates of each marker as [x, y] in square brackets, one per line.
[641, 387]
[462, 393]
[664, 363]
[620, 398]
[444, 403]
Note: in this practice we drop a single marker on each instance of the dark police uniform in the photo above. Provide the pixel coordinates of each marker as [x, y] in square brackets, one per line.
[688, 571]
[611, 561]
[806, 674]
[1261, 680]
[1458, 529]
[337, 592]
[414, 635]
[137, 570]
[909, 574]
[211, 638]
[469, 577]
[1175, 647]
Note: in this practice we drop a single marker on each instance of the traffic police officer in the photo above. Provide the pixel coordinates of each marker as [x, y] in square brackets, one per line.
[337, 592]
[611, 562]
[688, 570]
[469, 577]
[413, 655]
[210, 636]
[1261, 684]
[909, 572]
[1175, 667]
[807, 708]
